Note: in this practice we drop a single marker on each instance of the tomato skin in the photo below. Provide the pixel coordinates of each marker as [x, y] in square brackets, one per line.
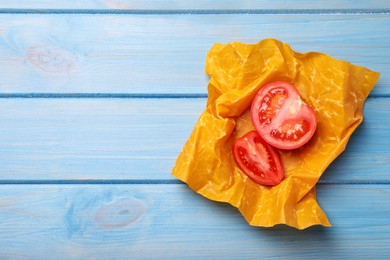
[281, 117]
[258, 160]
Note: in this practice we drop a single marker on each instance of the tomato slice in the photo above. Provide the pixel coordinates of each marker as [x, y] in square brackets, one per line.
[258, 160]
[281, 117]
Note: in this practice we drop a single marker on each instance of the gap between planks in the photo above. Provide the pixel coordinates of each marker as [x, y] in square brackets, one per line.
[196, 11]
[127, 95]
[104, 95]
[158, 182]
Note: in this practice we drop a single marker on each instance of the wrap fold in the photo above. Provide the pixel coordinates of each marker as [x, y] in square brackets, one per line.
[335, 89]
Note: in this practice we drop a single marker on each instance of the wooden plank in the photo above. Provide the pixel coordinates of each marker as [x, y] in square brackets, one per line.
[200, 4]
[92, 138]
[170, 221]
[137, 139]
[166, 53]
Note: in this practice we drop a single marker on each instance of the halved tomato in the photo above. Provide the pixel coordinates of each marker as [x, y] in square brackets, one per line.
[257, 159]
[281, 117]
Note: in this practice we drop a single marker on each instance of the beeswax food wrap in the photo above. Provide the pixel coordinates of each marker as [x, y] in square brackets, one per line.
[335, 89]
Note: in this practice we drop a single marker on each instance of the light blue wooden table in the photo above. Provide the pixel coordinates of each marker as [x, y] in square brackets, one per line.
[97, 98]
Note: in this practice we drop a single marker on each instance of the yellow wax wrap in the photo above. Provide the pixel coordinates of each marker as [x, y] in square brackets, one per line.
[335, 89]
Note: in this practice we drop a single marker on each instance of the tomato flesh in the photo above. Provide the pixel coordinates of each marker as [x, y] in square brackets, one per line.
[281, 117]
[258, 160]
[291, 130]
[272, 103]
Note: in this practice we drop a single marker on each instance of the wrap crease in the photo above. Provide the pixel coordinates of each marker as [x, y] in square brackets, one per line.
[335, 89]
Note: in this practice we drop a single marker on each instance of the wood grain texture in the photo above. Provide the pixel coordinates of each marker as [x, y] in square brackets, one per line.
[140, 139]
[92, 138]
[200, 4]
[171, 221]
[67, 53]
[50, 147]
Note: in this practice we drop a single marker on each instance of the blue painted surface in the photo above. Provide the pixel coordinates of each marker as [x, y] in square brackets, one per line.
[169, 5]
[98, 97]
[118, 54]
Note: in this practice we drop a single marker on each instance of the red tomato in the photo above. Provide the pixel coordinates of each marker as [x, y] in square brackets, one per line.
[258, 160]
[281, 117]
